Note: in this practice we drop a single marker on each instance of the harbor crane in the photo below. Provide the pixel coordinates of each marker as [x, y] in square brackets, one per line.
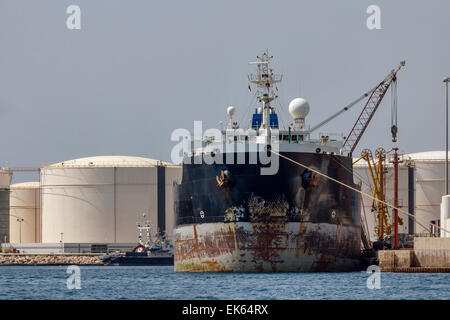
[375, 95]
[376, 169]
[369, 110]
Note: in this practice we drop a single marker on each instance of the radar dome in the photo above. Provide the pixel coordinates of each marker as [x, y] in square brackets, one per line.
[299, 108]
[230, 111]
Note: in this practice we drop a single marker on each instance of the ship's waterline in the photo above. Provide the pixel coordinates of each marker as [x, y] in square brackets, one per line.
[274, 246]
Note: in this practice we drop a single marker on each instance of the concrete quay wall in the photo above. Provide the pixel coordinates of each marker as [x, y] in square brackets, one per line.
[427, 253]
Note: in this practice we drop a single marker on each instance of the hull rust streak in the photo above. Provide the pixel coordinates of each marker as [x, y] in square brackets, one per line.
[266, 247]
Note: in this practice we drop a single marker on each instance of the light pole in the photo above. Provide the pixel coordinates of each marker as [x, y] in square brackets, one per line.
[20, 220]
[396, 198]
[446, 80]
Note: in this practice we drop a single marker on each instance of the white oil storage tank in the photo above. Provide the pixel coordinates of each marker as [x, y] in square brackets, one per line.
[5, 181]
[430, 186]
[25, 213]
[100, 199]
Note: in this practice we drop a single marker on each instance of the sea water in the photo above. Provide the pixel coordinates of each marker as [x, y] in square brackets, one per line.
[156, 282]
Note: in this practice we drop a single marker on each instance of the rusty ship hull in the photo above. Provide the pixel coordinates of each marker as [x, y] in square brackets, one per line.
[292, 221]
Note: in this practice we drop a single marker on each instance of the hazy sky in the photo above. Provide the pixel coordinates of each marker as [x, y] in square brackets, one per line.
[137, 70]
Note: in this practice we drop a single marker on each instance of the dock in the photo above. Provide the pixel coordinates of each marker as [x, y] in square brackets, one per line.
[429, 255]
[26, 259]
[417, 270]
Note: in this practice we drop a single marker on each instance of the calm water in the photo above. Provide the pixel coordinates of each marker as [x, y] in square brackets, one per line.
[162, 283]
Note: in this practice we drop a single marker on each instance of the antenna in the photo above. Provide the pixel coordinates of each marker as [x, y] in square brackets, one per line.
[265, 80]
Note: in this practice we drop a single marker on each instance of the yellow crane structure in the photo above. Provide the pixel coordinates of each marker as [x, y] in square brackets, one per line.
[376, 170]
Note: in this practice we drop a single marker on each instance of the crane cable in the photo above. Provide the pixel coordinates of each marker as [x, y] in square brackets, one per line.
[394, 127]
[358, 191]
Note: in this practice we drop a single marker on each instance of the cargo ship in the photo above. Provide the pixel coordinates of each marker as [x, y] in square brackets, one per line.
[244, 205]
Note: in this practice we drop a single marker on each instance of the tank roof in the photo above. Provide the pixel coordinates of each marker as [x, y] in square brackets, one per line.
[25, 185]
[427, 155]
[109, 161]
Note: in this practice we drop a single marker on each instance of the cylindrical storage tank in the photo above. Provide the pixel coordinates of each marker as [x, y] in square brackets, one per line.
[99, 199]
[25, 215]
[5, 181]
[430, 187]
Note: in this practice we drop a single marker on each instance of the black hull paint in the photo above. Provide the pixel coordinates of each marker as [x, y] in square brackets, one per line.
[293, 184]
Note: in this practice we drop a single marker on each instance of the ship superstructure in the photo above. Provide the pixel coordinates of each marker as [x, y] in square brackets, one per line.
[264, 127]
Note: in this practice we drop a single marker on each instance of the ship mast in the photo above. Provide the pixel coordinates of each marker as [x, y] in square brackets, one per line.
[264, 80]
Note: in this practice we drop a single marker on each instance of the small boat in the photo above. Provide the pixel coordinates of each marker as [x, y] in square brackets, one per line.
[138, 259]
[148, 253]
